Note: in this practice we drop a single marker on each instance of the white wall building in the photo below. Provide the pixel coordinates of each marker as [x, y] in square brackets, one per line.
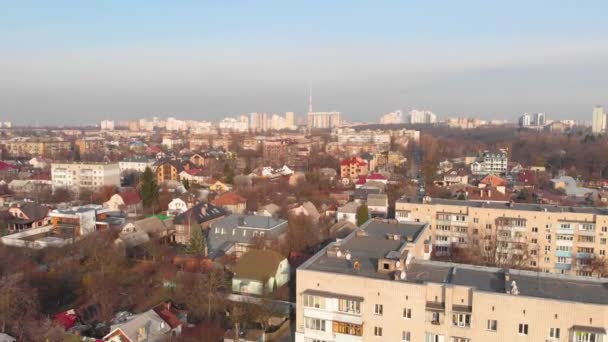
[395, 117]
[234, 125]
[598, 121]
[75, 176]
[107, 125]
[323, 120]
[421, 117]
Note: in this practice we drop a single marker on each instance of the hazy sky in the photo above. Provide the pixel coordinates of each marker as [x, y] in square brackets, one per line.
[74, 62]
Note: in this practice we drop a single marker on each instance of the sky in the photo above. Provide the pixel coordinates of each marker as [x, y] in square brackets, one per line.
[78, 62]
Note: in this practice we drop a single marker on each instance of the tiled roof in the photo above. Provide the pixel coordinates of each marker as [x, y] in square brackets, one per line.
[228, 198]
[130, 197]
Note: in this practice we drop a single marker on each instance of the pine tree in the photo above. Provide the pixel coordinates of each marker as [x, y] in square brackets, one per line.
[186, 184]
[362, 214]
[197, 245]
[228, 173]
[148, 189]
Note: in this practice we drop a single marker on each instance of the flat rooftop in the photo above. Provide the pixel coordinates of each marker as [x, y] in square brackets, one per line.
[368, 249]
[506, 206]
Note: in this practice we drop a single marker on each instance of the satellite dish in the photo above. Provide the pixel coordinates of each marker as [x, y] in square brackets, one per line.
[398, 264]
[348, 256]
[402, 275]
[339, 254]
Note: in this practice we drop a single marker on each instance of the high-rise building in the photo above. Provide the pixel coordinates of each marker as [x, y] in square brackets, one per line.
[539, 119]
[598, 121]
[323, 120]
[258, 121]
[421, 117]
[107, 125]
[290, 120]
[525, 120]
[395, 117]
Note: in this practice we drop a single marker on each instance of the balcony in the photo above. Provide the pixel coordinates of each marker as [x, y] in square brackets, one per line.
[565, 231]
[583, 255]
[565, 254]
[564, 267]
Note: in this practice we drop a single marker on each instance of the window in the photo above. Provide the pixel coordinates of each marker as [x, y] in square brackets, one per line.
[492, 325]
[602, 252]
[554, 333]
[523, 329]
[460, 339]
[315, 324]
[435, 317]
[377, 331]
[461, 320]
[407, 313]
[583, 336]
[603, 241]
[604, 229]
[475, 220]
[378, 309]
[348, 328]
[349, 306]
[406, 336]
[314, 301]
[534, 229]
[430, 337]
[534, 240]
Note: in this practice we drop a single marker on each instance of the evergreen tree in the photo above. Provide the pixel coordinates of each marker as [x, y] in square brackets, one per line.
[247, 170]
[148, 189]
[197, 245]
[77, 154]
[362, 214]
[186, 184]
[228, 173]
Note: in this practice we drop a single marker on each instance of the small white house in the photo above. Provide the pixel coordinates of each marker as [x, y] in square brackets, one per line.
[177, 206]
[260, 272]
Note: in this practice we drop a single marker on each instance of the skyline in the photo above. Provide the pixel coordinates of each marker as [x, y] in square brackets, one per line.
[68, 62]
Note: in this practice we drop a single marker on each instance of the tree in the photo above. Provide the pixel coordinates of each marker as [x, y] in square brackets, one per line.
[61, 195]
[362, 214]
[148, 189]
[228, 173]
[18, 306]
[197, 245]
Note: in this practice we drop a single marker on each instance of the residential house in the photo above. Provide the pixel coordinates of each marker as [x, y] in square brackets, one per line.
[570, 187]
[127, 201]
[169, 170]
[269, 210]
[155, 325]
[193, 176]
[231, 201]
[177, 206]
[454, 176]
[89, 175]
[348, 212]
[233, 234]
[491, 162]
[140, 231]
[308, 210]
[377, 205]
[492, 181]
[260, 272]
[219, 187]
[26, 215]
[353, 167]
[200, 216]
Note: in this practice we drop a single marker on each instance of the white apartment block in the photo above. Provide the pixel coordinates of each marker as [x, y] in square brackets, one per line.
[421, 117]
[598, 121]
[375, 285]
[395, 117]
[136, 163]
[234, 125]
[548, 238]
[107, 125]
[76, 176]
[323, 120]
[491, 162]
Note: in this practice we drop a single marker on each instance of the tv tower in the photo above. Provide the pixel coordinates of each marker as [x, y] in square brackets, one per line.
[310, 100]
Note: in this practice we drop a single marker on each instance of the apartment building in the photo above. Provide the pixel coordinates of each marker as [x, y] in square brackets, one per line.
[75, 176]
[323, 120]
[491, 162]
[136, 163]
[89, 145]
[549, 238]
[32, 147]
[375, 285]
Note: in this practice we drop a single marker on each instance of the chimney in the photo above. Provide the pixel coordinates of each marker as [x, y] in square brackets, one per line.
[410, 238]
